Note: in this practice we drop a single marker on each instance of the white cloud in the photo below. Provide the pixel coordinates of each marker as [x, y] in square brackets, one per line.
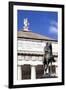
[53, 27]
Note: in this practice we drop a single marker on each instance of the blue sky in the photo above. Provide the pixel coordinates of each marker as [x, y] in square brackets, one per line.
[42, 22]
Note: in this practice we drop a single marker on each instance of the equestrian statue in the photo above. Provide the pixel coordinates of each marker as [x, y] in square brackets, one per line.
[48, 59]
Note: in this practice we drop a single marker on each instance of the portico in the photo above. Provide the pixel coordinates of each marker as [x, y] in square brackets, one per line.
[32, 69]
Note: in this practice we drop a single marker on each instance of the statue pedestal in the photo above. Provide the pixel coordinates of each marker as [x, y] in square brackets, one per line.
[47, 75]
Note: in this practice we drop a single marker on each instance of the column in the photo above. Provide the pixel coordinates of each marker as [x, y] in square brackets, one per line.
[56, 71]
[33, 72]
[19, 72]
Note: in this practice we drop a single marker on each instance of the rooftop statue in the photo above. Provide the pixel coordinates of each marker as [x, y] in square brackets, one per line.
[26, 24]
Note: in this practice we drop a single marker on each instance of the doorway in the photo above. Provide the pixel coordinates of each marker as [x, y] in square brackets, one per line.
[26, 71]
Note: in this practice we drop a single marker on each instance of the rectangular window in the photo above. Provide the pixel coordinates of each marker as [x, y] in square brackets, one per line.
[21, 57]
[27, 57]
[40, 58]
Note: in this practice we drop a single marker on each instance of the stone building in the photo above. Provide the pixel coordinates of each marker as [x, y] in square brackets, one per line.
[31, 52]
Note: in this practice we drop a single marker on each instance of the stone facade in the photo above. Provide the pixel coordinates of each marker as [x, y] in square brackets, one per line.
[30, 58]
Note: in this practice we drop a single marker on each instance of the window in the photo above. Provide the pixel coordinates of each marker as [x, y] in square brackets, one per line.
[21, 57]
[35, 57]
[27, 57]
[40, 57]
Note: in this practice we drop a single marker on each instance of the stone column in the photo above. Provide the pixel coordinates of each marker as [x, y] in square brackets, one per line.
[56, 70]
[19, 72]
[33, 72]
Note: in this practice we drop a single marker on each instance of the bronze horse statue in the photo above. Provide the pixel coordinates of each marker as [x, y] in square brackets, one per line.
[48, 57]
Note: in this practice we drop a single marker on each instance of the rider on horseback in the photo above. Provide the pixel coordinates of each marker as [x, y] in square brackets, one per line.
[48, 57]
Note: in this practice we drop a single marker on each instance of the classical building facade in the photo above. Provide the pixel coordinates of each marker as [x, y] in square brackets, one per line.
[31, 54]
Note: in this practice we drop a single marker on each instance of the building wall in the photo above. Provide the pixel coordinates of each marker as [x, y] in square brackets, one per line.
[26, 44]
[30, 52]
